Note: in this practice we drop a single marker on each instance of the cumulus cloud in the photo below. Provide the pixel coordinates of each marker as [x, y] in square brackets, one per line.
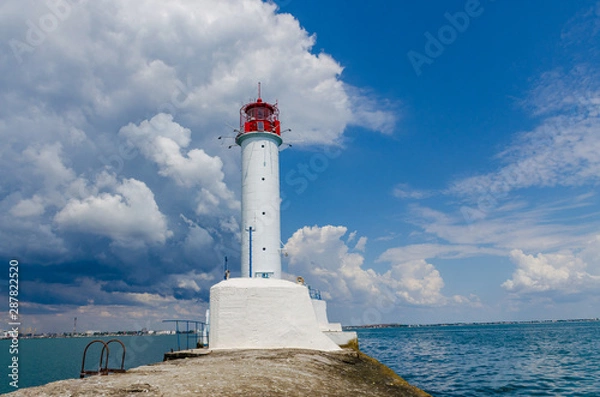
[320, 252]
[321, 256]
[417, 282]
[189, 58]
[129, 216]
[28, 207]
[109, 80]
[160, 140]
[110, 116]
[47, 161]
[563, 273]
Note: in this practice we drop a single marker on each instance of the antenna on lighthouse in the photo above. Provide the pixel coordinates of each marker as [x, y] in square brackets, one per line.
[259, 90]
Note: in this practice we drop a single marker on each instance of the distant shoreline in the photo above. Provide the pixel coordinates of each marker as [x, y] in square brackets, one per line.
[377, 326]
[345, 327]
[95, 334]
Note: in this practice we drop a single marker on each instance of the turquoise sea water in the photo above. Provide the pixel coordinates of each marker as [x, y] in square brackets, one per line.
[559, 359]
[46, 360]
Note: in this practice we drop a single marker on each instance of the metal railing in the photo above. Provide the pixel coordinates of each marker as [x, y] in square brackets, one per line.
[314, 293]
[198, 333]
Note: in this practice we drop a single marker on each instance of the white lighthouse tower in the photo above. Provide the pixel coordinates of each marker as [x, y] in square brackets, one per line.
[260, 138]
[260, 310]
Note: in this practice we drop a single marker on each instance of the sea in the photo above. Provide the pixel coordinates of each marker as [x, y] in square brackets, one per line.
[541, 359]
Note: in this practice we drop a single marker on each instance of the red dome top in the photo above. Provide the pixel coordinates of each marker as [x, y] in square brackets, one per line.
[259, 116]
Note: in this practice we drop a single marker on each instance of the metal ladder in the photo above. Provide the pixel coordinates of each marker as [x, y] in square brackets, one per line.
[103, 365]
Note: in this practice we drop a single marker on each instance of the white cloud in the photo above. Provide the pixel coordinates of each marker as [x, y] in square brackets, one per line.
[417, 282]
[47, 161]
[361, 244]
[28, 207]
[498, 215]
[370, 112]
[116, 66]
[591, 254]
[320, 255]
[404, 191]
[563, 150]
[191, 58]
[561, 272]
[129, 216]
[161, 140]
[528, 227]
[80, 97]
[319, 252]
[427, 251]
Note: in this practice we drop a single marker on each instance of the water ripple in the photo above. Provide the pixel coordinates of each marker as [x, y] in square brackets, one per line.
[557, 359]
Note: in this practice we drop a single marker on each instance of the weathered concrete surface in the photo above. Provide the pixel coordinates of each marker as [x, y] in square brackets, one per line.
[281, 372]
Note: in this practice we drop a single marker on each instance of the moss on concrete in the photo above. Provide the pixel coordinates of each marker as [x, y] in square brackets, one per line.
[353, 344]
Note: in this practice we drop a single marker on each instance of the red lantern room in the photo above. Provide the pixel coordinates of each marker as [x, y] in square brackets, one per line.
[259, 116]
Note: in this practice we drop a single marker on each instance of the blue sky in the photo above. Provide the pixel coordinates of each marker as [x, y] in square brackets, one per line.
[444, 165]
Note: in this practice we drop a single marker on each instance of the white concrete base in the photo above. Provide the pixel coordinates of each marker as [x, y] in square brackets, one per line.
[343, 338]
[320, 308]
[256, 313]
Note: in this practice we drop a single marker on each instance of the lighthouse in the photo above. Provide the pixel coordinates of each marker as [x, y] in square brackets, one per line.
[260, 310]
[260, 137]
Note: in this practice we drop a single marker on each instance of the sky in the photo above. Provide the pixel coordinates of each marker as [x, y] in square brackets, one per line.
[443, 161]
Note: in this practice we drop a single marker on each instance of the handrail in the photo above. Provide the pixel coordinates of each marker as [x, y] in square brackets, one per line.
[314, 293]
[199, 331]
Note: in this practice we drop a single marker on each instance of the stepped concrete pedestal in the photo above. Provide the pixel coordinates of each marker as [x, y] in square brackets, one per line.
[333, 330]
[257, 313]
